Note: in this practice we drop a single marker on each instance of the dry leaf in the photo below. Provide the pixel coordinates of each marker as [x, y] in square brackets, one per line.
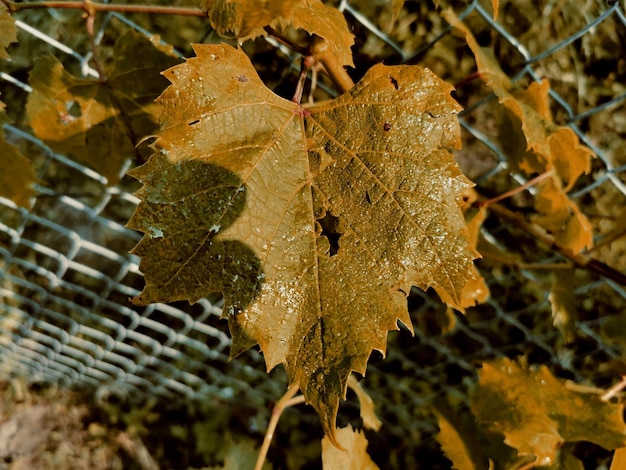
[100, 122]
[537, 413]
[366, 405]
[548, 148]
[329, 24]
[454, 445]
[313, 222]
[353, 456]
[562, 218]
[476, 291]
[563, 303]
[619, 459]
[246, 19]
[8, 31]
[17, 175]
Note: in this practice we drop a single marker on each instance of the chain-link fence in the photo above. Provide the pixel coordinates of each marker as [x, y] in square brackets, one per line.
[66, 276]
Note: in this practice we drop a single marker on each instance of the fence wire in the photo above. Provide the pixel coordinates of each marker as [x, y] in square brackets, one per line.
[66, 276]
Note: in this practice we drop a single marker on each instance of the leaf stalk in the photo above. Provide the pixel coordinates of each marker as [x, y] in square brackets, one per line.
[286, 401]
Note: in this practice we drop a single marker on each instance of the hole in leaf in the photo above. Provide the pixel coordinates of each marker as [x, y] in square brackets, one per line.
[73, 109]
[330, 225]
[394, 82]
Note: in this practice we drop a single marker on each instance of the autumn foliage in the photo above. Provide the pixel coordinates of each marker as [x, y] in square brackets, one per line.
[315, 220]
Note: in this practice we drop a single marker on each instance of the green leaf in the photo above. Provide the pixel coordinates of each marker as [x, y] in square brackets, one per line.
[8, 31]
[537, 413]
[313, 222]
[242, 456]
[17, 175]
[100, 122]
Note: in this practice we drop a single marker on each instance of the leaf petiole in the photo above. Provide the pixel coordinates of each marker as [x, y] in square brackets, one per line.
[286, 401]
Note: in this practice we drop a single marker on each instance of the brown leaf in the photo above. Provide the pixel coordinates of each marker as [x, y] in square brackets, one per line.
[246, 19]
[537, 413]
[458, 444]
[100, 122]
[619, 459]
[8, 31]
[366, 404]
[563, 303]
[329, 24]
[17, 175]
[476, 291]
[313, 222]
[548, 147]
[558, 146]
[353, 456]
[562, 218]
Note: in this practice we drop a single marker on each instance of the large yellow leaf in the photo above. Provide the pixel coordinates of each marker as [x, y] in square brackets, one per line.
[313, 222]
[100, 122]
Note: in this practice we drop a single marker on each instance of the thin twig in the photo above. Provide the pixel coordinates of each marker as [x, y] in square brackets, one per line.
[614, 390]
[519, 189]
[95, 7]
[608, 240]
[286, 41]
[580, 260]
[286, 401]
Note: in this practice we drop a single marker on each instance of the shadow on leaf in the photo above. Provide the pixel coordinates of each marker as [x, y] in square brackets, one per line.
[186, 208]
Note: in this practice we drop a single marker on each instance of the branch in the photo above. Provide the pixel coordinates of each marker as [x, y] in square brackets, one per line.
[580, 260]
[519, 189]
[93, 7]
[318, 49]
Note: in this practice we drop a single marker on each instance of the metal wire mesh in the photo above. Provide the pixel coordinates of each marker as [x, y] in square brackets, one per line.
[66, 276]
